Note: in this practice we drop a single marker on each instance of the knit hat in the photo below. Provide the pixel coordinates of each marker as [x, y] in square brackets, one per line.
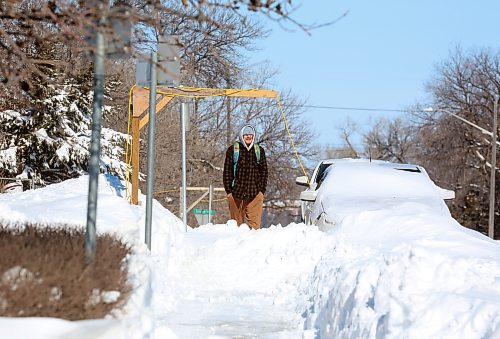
[247, 129]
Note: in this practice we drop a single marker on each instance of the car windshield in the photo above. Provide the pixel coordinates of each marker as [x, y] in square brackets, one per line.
[322, 171]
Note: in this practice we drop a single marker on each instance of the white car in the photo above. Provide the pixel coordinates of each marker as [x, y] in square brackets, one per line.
[306, 199]
[342, 186]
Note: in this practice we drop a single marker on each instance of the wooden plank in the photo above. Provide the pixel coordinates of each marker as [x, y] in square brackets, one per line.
[135, 160]
[207, 92]
[159, 105]
[140, 100]
[197, 201]
[141, 95]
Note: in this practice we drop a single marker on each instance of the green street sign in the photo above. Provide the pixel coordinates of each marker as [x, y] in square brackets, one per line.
[203, 211]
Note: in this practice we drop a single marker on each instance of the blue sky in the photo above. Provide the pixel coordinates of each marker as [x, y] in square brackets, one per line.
[379, 56]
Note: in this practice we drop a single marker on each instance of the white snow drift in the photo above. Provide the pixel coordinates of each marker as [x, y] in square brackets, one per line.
[382, 272]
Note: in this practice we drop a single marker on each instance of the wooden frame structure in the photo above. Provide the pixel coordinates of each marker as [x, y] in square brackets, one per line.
[140, 114]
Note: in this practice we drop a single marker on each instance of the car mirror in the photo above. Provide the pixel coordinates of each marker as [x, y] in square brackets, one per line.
[302, 181]
[447, 194]
[308, 196]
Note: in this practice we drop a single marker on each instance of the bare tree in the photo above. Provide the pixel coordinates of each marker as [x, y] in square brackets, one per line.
[454, 152]
[391, 140]
[347, 149]
[28, 27]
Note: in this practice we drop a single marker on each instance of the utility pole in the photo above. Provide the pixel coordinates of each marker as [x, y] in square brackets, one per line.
[491, 219]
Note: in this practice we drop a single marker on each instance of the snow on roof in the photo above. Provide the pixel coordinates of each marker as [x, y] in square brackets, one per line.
[365, 179]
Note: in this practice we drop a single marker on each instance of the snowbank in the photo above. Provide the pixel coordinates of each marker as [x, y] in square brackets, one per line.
[387, 271]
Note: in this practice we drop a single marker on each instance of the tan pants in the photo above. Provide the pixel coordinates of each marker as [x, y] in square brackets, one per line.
[251, 210]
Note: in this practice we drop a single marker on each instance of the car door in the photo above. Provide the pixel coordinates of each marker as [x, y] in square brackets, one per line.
[318, 176]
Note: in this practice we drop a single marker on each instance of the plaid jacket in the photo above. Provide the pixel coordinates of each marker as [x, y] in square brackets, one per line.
[250, 176]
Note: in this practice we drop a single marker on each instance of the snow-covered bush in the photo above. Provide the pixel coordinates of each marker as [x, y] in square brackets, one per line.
[50, 143]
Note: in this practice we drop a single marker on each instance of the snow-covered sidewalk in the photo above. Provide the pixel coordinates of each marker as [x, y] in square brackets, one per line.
[223, 280]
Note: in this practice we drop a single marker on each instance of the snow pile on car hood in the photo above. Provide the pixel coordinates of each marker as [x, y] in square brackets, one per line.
[353, 187]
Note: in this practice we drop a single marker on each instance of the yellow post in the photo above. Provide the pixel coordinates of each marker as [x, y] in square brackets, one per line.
[140, 105]
[135, 159]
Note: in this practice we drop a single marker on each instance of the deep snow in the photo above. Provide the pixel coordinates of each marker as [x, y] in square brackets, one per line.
[382, 272]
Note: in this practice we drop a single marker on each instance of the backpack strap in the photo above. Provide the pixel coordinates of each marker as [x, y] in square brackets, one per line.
[257, 152]
[236, 155]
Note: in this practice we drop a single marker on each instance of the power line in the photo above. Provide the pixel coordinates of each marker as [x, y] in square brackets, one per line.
[357, 108]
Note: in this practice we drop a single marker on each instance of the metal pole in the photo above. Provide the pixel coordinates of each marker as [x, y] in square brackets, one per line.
[95, 145]
[491, 219]
[210, 192]
[151, 148]
[184, 110]
[180, 202]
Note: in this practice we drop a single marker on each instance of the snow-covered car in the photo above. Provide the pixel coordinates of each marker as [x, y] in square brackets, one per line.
[339, 187]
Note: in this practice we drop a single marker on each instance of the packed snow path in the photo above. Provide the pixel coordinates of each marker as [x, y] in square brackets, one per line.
[228, 281]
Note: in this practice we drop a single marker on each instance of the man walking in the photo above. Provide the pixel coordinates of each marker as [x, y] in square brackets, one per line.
[245, 178]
